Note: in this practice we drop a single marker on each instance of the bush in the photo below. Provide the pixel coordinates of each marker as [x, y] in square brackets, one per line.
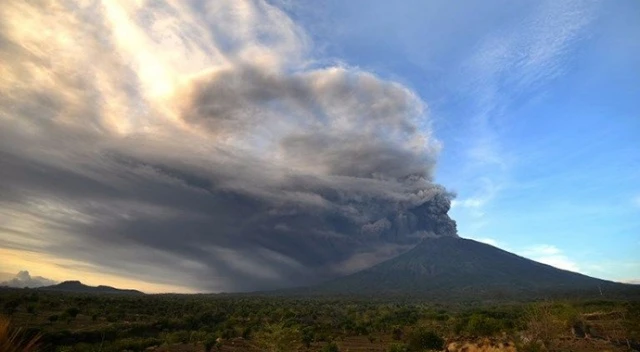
[541, 326]
[246, 332]
[330, 347]
[479, 325]
[397, 333]
[134, 344]
[308, 336]
[72, 312]
[278, 337]
[398, 347]
[210, 342]
[13, 340]
[11, 306]
[530, 346]
[181, 336]
[421, 340]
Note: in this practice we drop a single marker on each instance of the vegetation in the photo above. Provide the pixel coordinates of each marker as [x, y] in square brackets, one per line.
[14, 340]
[89, 322]
[424, 340]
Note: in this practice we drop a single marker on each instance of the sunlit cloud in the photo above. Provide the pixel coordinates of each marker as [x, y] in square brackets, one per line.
[487, 240]
[551, 255]
[199, 146]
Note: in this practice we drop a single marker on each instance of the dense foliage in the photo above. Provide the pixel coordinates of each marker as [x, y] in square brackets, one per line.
[84, 322]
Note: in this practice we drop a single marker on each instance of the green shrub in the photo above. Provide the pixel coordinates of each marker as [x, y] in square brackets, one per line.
[480, 325]
[541, 325]
[398, 347]
[397, 333]
[246, 332]
[308, 336]
[177, 337]
[421, 339]
[530, 346]
[278, 337]
[197, 336]
[210, 342]
[72, 312]
[134, 344]
[330, 347]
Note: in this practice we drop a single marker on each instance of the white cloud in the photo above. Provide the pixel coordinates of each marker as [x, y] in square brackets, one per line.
[531, 55]
[475, 205]
[486, 240]
[550, 255]
[543, 253]
[544, 249]
[473, 202]
[24, 279]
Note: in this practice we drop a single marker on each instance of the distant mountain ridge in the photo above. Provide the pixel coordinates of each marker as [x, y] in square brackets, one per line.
[79, 287]
[451, 268]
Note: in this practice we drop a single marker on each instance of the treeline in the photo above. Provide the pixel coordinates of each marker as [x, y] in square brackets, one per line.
[82, 322]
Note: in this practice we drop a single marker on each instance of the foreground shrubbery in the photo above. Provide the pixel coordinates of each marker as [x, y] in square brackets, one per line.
[425, 340]
[14, 339]
[135, 323]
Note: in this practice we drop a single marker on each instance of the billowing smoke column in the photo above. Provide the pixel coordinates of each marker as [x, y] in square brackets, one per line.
[205, 151]
[429, 219]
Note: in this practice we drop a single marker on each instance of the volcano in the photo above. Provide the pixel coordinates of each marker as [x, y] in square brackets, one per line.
[451, 268]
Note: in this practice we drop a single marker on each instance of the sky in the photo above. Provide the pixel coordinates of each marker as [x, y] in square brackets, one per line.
[201, 146]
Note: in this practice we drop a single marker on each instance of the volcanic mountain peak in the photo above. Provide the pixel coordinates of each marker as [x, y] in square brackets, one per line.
[457, 268]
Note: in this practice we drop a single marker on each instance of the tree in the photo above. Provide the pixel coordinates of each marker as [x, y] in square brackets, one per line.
[72, 312]
[308, 336]
[11, 306]
[278, 337]
[479, 325]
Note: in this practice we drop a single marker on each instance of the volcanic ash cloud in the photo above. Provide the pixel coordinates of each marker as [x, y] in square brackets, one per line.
[205, 147]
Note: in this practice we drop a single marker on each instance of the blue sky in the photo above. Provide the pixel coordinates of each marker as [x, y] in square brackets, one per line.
[537, 108]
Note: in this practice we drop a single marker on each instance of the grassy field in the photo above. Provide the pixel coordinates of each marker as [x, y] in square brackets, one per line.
[84, 322]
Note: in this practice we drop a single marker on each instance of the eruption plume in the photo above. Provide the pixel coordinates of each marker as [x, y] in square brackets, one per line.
[204, 147]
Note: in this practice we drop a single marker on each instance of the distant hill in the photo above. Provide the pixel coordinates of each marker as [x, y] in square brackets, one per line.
[449, 268]
[79, 287]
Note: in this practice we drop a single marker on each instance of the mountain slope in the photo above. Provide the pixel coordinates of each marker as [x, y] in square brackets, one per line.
[78, 287]
[457, 268]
